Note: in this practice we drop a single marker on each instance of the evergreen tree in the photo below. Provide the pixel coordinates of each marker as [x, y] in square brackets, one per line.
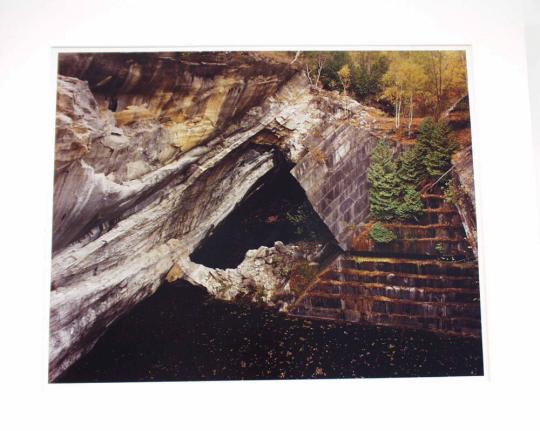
[425, 135]
[435, 147]
[439, 158]
[411, 169]
[382, 176]
[411, 206]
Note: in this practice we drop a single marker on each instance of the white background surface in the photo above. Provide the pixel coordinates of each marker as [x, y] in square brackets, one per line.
[508, 216]
[532, 40]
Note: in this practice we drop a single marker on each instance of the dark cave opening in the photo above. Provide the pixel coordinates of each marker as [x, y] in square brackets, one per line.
[275, 209]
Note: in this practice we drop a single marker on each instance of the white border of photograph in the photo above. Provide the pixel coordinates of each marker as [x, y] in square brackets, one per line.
[504, 180]
[472, 103]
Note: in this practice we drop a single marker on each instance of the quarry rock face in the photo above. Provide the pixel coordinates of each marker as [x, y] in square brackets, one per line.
[153, 151]
[463, 181]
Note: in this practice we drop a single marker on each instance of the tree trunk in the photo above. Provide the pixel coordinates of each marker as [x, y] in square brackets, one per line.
[319, 70]
[343, 84]
[398, 112]
[296, 57]
[308, 73]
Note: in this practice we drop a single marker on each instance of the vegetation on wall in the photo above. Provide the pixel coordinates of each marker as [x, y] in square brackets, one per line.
[451, 192]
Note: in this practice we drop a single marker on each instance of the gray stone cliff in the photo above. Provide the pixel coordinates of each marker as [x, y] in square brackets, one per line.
[155, 150]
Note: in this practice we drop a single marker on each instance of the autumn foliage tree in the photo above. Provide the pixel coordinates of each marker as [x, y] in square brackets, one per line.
[344, 75]
[412, 82]
[403, 85]
[446, 78]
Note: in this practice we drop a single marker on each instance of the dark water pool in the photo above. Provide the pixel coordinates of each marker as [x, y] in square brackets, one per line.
[181, 333]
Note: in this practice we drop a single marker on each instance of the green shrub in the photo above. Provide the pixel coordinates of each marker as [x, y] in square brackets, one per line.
[381, 234]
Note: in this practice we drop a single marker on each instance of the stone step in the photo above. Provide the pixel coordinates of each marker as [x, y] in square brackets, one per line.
[423, 294]
[407, 265]
[399, 279]
[441, 210]
[449, 325]
[440, 217]
[419, 231]
[384, 304]
[436, 201]
[320, 313]
[432, 196]
[463, 326]
[420, 246]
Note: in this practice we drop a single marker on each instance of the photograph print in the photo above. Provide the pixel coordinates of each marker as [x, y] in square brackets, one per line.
[243, 215]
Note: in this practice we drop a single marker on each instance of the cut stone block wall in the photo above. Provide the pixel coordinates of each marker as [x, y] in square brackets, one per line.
[334, 177]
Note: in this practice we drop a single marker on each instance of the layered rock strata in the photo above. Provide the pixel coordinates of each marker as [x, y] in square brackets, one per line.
[153, 151]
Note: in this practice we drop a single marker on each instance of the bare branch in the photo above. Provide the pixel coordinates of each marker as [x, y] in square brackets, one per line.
[308, 73]
[296, 57]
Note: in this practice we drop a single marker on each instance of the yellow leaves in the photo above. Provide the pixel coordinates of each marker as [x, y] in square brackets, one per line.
[404, 77]
[345, 77]
[429, 76]
[345, 72]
